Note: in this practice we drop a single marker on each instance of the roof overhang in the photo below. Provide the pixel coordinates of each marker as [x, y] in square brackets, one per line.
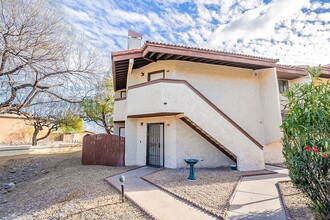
[325, 72]
[290, 72]
[125, 61]
[153, 52]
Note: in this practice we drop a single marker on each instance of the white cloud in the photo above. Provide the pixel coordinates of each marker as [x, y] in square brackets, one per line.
[279, 29]
[257, 23]
[294, 31]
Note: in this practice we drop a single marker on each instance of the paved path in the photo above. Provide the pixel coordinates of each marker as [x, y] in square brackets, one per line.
[157, 202]
[257, 197]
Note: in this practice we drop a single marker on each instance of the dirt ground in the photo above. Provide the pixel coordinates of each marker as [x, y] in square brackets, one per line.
[296, 202]
[211, 190]
[59, 187]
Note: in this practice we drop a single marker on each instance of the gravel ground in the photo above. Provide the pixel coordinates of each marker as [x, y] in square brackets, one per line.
[211, 190]
[61, 188]
[296, 202]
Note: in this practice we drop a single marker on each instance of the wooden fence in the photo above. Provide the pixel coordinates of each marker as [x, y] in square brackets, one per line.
[103, 149]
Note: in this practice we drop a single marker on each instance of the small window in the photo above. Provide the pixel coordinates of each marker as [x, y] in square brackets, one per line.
[123, 94]
[160, 74]
[122, 131]
[283, 85]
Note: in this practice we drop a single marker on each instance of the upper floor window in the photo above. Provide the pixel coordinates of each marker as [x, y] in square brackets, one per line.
[160, 74]
[283, 85]
[122, 94]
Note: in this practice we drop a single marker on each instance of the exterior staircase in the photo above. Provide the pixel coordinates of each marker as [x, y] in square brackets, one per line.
[168, 96]
[209, 138]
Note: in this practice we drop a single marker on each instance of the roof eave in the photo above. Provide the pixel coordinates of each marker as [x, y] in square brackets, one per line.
[194, 54]
[210, 54]
[290, 72]
[325, 72]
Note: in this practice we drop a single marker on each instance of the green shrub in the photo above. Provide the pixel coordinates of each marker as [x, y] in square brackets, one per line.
[306, 128]
[70, 122]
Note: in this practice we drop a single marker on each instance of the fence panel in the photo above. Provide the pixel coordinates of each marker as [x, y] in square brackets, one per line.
[103, 149]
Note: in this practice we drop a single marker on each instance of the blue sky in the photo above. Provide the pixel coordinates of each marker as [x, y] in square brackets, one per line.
[295, 31]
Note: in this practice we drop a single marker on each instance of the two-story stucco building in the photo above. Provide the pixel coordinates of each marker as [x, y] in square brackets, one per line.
[175, 102]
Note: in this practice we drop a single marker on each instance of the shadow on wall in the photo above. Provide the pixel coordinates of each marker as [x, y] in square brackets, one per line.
[19, 135]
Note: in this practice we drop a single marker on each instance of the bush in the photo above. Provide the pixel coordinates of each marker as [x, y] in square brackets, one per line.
[70, 122]
[306, 128]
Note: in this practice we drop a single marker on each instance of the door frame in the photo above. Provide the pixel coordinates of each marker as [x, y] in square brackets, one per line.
[147, 148]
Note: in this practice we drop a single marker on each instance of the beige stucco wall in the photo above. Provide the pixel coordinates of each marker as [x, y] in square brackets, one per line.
[319, 80]
[120, 110]
[234, 90]
[250, 98]
[14, 129]
[189, 144]
[271, 114]
[270, 106]
[136, 140]
[180, 98]
[273, 152]
[131, 141]
[305, 79]
[180, 143]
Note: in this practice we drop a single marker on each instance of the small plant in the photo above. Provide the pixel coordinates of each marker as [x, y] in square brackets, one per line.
[306, 128]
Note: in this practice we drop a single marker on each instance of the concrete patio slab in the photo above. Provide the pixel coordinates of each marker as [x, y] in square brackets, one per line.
[155, 201]
[257, 197]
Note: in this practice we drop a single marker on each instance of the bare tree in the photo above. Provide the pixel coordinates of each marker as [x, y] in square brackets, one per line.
[50, 118]
[40, 123]
[40, 59]
[99, 108]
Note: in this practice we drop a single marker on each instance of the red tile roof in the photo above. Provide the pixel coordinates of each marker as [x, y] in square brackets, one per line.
[211, 50]
[153, 51]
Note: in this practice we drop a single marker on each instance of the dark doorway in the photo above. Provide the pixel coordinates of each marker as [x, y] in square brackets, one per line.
[155, 145]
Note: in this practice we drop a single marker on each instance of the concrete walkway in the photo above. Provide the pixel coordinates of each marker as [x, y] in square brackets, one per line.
[155, 201]
[257, 197]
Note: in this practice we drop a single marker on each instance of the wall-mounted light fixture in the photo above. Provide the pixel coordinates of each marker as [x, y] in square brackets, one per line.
[142, 73]
[141, 123]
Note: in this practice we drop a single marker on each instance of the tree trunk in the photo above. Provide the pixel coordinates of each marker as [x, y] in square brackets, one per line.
[105, 125]
[48, 133]
[107, 130]
[37, 129]
[34, 136]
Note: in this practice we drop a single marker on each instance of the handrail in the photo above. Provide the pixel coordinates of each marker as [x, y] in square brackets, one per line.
[215, 143]
[178, 81]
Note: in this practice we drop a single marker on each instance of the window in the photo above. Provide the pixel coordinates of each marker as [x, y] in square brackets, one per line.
[160, 74]
[283, 85]
[122, 131]
[123, 94]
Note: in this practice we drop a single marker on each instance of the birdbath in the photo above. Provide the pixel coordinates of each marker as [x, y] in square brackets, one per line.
[191, 163]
